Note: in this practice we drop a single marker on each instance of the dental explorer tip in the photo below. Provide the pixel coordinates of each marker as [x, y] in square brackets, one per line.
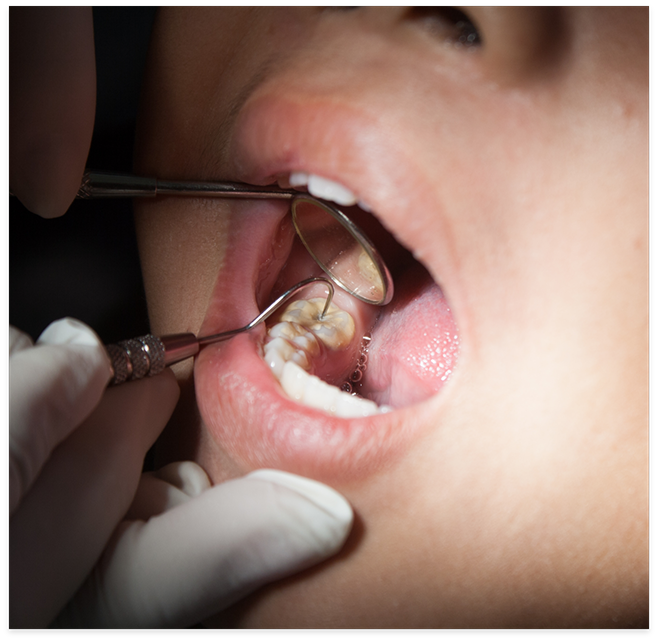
[330, 295]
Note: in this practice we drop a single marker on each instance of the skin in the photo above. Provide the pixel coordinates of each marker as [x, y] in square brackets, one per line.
[517, 497]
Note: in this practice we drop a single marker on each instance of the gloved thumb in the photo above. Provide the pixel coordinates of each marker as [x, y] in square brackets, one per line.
[53, 387]
[192, 561]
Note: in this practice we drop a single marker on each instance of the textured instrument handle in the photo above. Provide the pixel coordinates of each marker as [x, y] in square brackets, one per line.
[136, 358]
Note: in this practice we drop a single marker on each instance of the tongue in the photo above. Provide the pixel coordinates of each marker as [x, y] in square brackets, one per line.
[414, 345]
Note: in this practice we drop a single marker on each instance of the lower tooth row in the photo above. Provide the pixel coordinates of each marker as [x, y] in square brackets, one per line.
[291, 348]
[309, 390]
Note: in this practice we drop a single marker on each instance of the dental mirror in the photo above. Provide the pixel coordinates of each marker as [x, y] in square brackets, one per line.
[337, 244]
[342, 250]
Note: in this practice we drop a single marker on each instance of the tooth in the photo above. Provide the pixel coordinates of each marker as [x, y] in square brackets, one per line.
[329, 190]
[292, 345]
[349, 406]
[307, 343]
[322, 188]
[304, 387]
[298, 179]
[287, 330]
[295, 348]
[276, 353]
[312, 392]
[367, 269]
[335, 330]
[365, 206]
[300, 358]
[296, 335]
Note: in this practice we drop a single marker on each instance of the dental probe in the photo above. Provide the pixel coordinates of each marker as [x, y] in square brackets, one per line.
[101, 184]
[148, 355]
[320, 225]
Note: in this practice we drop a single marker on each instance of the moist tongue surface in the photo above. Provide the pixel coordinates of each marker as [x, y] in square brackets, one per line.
[414, 345]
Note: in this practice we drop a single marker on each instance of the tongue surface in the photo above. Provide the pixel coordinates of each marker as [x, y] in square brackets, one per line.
[414, 345]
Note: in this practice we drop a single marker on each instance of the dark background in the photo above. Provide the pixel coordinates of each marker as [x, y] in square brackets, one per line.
[85, 264]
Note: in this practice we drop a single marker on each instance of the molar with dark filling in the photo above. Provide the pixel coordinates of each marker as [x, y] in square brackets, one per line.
[293, 344]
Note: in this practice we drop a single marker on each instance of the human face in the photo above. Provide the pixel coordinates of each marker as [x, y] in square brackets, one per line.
[511, 180]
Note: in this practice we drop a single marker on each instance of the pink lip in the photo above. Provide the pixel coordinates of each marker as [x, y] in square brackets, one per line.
[239, 400]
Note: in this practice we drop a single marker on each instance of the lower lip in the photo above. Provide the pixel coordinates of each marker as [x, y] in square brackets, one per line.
[246, 414]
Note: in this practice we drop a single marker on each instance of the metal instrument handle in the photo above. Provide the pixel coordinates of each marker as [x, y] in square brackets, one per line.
[148, 355]
[104, 184]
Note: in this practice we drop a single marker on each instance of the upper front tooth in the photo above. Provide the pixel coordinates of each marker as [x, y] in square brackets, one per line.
[298, 179]
[323, 188]
[365, 206]
[330, 190]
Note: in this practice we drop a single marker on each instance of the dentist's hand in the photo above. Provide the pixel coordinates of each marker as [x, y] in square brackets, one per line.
[95, 543]
[52, 102]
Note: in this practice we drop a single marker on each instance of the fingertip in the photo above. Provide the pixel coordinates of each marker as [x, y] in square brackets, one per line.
[170, 386]
[323, 496]
[142, 407]
[46, 175]
[52, 101]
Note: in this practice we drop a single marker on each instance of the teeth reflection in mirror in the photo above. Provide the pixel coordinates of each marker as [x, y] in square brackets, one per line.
[368, 270]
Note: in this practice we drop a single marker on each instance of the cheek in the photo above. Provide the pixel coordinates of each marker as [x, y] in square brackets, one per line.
[182, 244]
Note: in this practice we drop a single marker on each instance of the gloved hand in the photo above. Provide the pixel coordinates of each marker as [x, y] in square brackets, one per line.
[152, 550]
[52, 102]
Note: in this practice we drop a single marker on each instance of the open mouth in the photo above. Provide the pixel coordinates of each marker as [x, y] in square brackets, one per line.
[308, 395]
[401, 354]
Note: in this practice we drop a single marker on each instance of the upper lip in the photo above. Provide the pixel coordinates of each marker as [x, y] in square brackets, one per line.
[275, 135]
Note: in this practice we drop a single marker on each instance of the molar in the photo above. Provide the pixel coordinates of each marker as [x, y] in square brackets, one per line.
[335, 330]
[295, 333]
[294, 341]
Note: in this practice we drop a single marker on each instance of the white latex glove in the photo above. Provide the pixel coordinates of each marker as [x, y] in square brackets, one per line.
[184, 550]
[188, 550]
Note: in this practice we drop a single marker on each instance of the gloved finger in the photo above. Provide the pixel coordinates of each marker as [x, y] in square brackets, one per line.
[166, 488]
[191, 562]
[18, 341]
[57, 534]
[52, 99]
[53, 387]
